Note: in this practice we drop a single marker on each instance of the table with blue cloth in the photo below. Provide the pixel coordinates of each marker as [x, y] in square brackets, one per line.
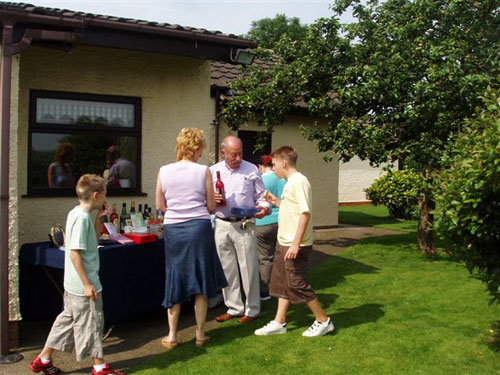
[132, 278]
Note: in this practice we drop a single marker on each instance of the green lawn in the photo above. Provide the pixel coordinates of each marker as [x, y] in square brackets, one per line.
[374, 216]
[395, 310]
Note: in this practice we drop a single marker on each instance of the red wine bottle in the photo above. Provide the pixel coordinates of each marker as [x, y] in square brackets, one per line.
[219, 187]
[114, 216]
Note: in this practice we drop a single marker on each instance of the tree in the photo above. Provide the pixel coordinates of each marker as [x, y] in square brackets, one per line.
[468, 194]
[395, 85]
[268, 31]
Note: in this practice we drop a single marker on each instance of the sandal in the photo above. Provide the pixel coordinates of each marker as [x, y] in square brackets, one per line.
[169, 344]
[201, 343]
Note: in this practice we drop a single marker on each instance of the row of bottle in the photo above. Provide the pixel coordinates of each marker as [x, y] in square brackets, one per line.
[120, 221]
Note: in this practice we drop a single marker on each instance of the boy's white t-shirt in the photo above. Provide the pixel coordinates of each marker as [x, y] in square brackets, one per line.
[296, 199]
[80, 235]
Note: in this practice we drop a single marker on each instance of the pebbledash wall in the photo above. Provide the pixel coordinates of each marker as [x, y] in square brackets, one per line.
[175, 93]
[323, 176]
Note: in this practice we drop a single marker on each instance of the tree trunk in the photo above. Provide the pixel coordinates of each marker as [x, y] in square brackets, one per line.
[425, 237]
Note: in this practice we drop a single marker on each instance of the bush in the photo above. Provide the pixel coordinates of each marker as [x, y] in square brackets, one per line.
[399, 191]
[468, 197]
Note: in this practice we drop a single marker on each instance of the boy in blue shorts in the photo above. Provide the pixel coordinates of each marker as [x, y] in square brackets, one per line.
[288, 278]
[80, 325]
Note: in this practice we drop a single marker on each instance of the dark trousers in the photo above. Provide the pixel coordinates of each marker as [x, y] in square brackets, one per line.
[266, 241]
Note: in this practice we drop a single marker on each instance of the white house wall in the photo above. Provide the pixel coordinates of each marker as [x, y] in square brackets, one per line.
[355, 176]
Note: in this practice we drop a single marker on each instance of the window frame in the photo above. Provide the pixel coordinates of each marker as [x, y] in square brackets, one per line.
[52, 128]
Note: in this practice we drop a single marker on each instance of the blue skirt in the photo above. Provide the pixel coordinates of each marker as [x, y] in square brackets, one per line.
[192, 265]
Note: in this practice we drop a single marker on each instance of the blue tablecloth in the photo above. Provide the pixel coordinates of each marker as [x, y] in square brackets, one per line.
[132, 277]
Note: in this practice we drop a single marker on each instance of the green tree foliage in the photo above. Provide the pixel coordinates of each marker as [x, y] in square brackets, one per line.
[395, 85]
[468, 197]
[399, 191]
[268, 31]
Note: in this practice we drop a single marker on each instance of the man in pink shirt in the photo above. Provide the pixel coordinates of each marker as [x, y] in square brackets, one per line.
[235, 237]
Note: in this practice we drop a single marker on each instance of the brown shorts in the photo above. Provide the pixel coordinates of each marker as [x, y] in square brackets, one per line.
[288, 279]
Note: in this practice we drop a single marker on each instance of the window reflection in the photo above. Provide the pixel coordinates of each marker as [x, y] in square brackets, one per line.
[121, 172]
[58, 160]
[72, 134]
[59, 174]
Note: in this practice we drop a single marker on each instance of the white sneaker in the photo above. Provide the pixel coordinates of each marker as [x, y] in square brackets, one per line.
[271, 328]
[319, 329]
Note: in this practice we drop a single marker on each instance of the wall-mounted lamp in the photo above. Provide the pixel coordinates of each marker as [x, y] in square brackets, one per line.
[243, 57]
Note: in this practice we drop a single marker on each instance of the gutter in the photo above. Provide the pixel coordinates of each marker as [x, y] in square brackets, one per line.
[216, 123]
[5, 91]
[217, 93]
[46, 35]
[85, 22]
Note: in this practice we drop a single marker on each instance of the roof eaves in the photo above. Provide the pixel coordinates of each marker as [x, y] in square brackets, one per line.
[32, 13]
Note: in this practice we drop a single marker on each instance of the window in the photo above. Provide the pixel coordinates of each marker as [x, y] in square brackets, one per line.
[250, 140]
[72, 134]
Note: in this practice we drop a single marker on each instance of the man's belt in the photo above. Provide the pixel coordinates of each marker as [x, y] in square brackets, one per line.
[234, 219]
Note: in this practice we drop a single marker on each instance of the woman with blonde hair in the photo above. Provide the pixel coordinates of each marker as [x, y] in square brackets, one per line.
[184, 191]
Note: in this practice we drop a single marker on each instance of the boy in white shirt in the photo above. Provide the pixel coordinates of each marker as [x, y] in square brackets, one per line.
[288, 279]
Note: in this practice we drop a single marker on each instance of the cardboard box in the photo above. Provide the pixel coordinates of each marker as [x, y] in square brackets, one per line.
[141, 237]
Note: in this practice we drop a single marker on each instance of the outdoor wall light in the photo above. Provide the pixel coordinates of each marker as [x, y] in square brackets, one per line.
[243, 57]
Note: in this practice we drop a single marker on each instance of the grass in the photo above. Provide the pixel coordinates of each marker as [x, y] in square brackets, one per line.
[395, 310]
[374, 216]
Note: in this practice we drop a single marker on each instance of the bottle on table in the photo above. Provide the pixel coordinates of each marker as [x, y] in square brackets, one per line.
[219, 188]
[123, 217]
[104, 219]
[132, 208]
[140, 210]
[145, 212]
[114, 218]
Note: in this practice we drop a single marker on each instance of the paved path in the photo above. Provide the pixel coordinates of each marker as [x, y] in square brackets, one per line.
[134, 342]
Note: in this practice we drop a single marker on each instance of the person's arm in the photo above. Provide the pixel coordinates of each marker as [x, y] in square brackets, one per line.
[97, 225]
[294, 249]
[88, 288]
[271, 198]
[209, 187]
[259, 189]
[161, 203]
[50, 175]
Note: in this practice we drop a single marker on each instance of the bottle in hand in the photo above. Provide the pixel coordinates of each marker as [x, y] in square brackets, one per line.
[219, 188]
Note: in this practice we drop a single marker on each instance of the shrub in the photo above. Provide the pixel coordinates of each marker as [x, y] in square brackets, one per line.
[468, 197]
[399, 191]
